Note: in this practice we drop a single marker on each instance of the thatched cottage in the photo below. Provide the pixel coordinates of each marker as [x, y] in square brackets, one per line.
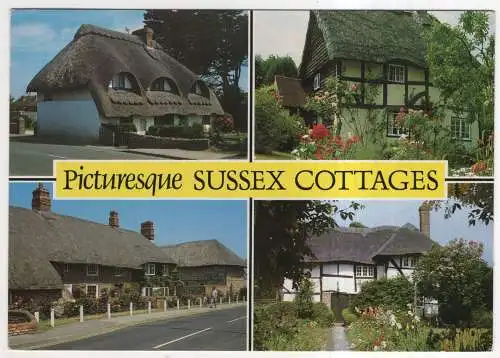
[384, 48]
[53, 256]
[206, 264]
[105, 77]
[345, 258]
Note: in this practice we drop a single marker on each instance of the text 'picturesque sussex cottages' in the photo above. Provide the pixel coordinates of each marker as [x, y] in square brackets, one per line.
[106, 78]
[346, 258]
[383, 49]
[53, 257]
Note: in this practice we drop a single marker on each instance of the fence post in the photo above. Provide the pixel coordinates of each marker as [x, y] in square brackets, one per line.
[229, 299]
[37, 317]
[201, 303]
[149, 307]
[109, 310]
[221, 300]
[165, 305]
[178, 305]
[81, 313]
[52, 318]
[189, 303]
[131, 308]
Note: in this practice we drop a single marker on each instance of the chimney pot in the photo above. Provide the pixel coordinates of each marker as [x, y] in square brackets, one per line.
[114, 220]
[41, 200]
[148, 230]
[424, 212]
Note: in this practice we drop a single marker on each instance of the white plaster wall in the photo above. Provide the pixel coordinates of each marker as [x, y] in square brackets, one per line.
[287, 284]
[380, 271]
[346, 269]
[345, 284]
[330, 269]
[69, 119]
[288, 297]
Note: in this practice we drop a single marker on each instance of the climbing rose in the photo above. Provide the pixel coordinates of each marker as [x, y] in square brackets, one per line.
[354, 87]
[319, 131]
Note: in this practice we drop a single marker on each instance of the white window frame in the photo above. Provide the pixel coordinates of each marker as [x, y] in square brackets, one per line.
[96, 289]
[317, 81]
[396, 73]
[365, 271]
[463, 128]
[394, 130]
[92, 273]
[406, 261]
[67, 268]
[148, 271]
[145, 291]
[120, 81]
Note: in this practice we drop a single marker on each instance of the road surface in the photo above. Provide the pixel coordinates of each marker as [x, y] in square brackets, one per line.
[35, 159]
[223, 330]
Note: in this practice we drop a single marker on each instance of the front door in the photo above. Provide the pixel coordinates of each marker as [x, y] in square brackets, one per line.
[339, 302]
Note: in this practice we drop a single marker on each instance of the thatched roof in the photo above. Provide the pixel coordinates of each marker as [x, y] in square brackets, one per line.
[95, 55]
[203, 253]
[373, 36]
[362, 245]
[290, 91]
[37, 238]
[24, 103]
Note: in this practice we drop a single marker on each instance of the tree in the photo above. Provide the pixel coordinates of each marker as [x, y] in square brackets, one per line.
[356, 224]
[453, 274]
[475, 197]
[461, 63]
[282, 229]
[211, 43]
[266, 70]
[395, 294]
[260, 71]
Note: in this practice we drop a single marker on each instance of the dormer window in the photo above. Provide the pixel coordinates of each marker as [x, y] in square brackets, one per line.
[164, 84]
[201, 89]
[396, 73]
[123, 81]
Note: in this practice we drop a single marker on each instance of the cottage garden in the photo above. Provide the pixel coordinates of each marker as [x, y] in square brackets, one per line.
[280, 135]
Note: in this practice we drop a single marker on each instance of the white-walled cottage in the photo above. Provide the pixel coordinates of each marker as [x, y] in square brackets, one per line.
[346, 258]
[109, 77]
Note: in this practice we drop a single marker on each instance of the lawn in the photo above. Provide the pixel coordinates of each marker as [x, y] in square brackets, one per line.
[275, 155]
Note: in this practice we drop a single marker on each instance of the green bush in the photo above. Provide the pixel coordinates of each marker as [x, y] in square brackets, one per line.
[272, 320]
[304, 299]
[185, 131]
[322, 315]
[394, 293]
[349, 316]
[275, 128]
[481, 318]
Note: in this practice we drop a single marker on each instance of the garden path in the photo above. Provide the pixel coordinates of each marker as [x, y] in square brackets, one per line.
[340, 342]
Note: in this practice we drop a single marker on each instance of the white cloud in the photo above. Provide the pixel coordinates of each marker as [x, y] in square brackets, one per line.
[29, 36]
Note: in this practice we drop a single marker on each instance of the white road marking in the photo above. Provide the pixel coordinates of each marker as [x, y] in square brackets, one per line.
[181, 338]
[236, 319]
[56, 156]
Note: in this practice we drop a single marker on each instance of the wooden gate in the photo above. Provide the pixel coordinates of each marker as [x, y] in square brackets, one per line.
[339, 301]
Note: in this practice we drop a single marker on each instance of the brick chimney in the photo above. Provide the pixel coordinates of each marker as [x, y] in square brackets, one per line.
[41, 199]
[148, 230]
[424, 212]
[114, 220]
[149, 36]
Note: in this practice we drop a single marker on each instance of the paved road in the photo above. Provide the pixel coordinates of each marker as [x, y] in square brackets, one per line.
[223, 330]
[35, 159]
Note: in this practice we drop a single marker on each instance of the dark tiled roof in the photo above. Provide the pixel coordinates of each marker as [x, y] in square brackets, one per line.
[38, 238]
[95, 55]
[203, 253]
[290, 91]
[364, 244]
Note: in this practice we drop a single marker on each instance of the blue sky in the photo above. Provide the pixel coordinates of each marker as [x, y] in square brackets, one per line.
[176, 221]
[443, 230]
[38, 35]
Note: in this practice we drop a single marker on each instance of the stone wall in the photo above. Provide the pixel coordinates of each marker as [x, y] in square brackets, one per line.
[146, 141]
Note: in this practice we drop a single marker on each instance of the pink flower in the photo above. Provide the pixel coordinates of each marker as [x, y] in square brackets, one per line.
[354, 87]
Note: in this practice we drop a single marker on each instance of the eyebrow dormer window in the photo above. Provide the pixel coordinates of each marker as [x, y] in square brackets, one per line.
[197, 89]
[123, 81]
[201, 89]
[164, 85]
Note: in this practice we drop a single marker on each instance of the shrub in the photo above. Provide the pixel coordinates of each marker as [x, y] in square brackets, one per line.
[349, 316]
[322, 315]
[185, 131]
[127, 127]
[304, 299]
[272, 320]
[481, 318]
[223, 124]
[394, 293]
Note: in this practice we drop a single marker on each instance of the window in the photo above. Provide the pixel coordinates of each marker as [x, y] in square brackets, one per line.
[121, 81]
[92, 270]
[91, 290]
[143, 125]
[409, 261]
[164, 270]
[147, 291]
[365, 271]
[197, 89]
[166, 120]
[118, 271]
[396, 73]
[205, 120]
[405, 261]
[317, 81]
[394, 129]
[66, 267]
[163, 85]
[460, 129]
[413, 261]
[150, 269]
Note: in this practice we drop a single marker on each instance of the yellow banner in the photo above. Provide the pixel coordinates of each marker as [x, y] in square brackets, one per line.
[259, 180]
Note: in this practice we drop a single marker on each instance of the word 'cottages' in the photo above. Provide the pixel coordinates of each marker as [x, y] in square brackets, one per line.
[54, 257]
[106, 78]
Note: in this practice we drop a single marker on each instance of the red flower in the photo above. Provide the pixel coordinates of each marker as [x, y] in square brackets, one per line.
[354, 87]
[319, 131]
[479, 167]
[318, 155]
